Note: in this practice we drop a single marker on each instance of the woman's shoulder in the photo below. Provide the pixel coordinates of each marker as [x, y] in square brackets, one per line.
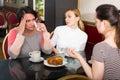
[85, 34]
[13, 30]
[60, 28]
[82, 32]
[102, 45]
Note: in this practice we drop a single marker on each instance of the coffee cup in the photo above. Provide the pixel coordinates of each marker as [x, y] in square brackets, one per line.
[35, 54]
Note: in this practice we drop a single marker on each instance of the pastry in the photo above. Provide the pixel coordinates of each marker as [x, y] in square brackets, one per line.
[56, 60]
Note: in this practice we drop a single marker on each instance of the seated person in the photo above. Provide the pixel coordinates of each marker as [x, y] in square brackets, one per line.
[106, 54]
[71, 35]
[25, 38]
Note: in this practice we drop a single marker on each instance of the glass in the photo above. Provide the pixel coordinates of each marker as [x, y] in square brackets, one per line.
[64, 51]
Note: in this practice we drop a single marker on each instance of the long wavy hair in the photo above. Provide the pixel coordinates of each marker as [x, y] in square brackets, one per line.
[110, 13]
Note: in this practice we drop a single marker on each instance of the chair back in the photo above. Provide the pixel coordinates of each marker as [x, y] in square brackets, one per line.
[5, 47]
[9, 12]
[2, 21]
[51, 34]
[3, 25]
[11, 19]
[74, 77]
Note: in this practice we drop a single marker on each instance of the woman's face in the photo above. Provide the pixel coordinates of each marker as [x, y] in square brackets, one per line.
[71, 19]
[29, 21]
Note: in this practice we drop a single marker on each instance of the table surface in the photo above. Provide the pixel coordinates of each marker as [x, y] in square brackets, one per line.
[23, 69]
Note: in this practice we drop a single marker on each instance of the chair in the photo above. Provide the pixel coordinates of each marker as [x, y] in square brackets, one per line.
[2, 21]
[11, 19]
[3, 25]
[74, 77]
[5, 47]
[9, 12]
[51, 34]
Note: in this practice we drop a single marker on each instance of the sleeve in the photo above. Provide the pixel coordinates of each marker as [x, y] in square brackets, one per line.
[46, 51]
[11, 37]
[98, 53]
[42, 39]
[15, 42]
[42, 43]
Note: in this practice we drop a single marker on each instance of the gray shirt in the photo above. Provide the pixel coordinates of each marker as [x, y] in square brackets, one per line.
[31, 43]
[110, 56]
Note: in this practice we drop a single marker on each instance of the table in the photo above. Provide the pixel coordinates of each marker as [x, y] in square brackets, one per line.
[23, 69]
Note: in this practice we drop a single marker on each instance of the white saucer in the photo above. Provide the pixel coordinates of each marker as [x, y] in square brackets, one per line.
[36, 60]
[49, 65]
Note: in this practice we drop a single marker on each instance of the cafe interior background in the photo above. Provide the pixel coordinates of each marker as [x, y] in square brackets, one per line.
[52, 14]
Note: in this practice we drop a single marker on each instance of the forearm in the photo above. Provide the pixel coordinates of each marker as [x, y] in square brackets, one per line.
[86, 67]
[16, 46]
[47, 44]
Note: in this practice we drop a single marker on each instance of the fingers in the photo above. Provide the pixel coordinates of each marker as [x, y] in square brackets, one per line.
[23, 22]
[21, 27]
[70, 52]
[42, 27]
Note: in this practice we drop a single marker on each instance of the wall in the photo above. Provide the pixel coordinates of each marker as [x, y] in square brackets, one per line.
[1, 2]
[17, 3]
[87, 10]
[87, 7]
[55, 10]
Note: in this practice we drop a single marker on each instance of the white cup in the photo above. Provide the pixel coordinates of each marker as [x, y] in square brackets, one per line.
[35, 54]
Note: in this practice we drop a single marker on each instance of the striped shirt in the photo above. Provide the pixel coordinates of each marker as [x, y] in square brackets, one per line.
[110, 56]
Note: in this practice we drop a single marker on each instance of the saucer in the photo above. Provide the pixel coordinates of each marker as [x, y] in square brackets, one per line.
[36, 60]
[49, 65]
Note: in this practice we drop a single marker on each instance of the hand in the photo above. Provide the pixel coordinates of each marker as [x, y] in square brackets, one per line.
[21, 27]
[55, 50]
[73, 54]
[42, 28]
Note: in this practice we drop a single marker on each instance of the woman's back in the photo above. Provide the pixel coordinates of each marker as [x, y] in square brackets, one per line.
[103, 52]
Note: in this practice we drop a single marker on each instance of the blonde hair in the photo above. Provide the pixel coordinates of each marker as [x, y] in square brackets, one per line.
[77, 14]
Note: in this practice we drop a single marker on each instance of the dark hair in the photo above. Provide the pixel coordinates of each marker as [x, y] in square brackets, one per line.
[110, 13]
[25, 9]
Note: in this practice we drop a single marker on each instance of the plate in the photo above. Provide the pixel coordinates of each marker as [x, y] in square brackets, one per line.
[49, 65]
[38, 60]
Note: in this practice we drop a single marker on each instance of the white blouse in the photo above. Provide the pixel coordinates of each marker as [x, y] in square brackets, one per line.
[66, 37]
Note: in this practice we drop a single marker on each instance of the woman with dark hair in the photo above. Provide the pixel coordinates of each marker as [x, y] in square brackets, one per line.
[25, 37]
[106, 54]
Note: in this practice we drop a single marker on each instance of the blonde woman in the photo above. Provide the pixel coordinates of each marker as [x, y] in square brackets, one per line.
[71, 35]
